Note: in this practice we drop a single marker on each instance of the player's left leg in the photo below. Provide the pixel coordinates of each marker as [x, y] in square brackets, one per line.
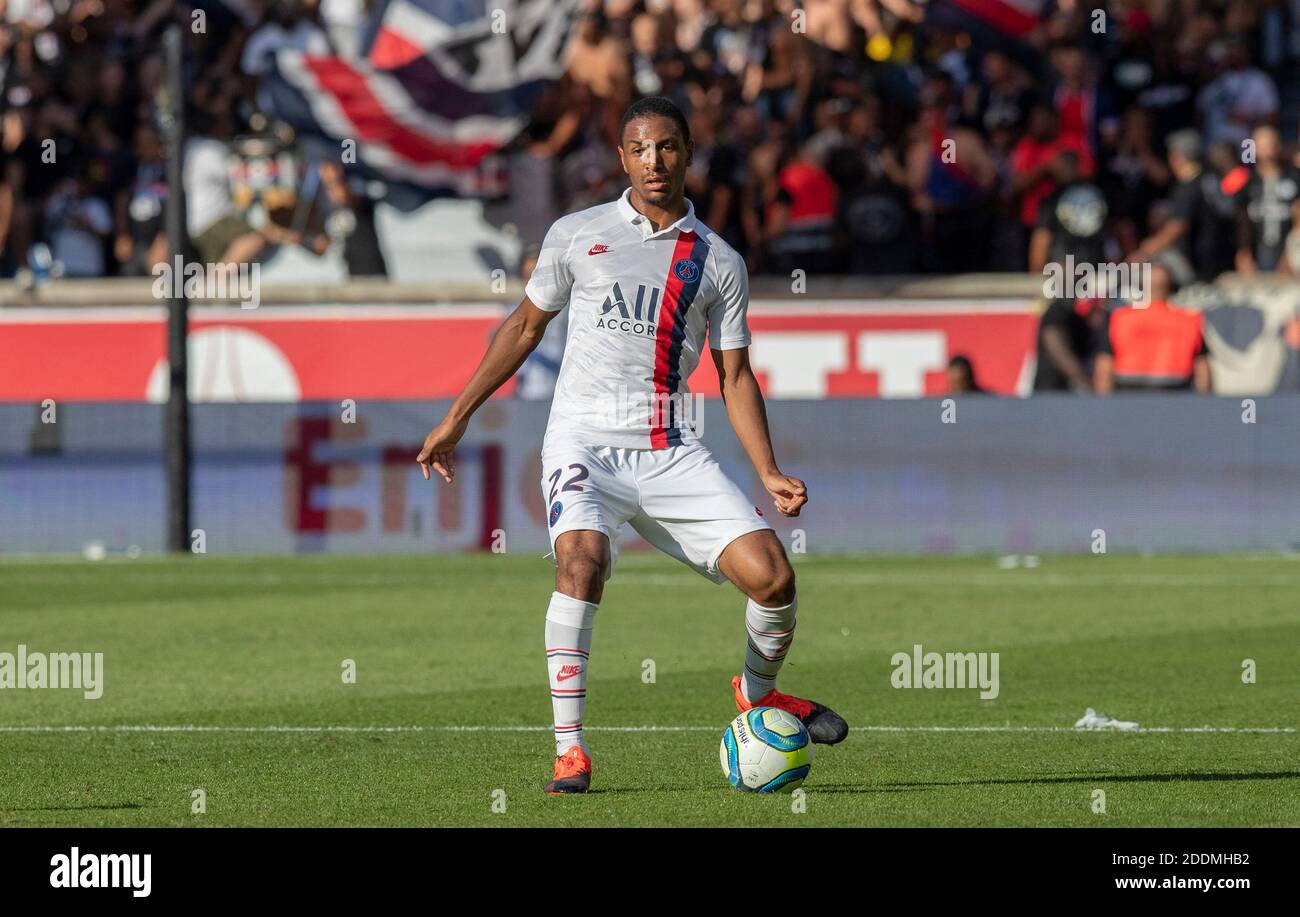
[757, 564]
[691, 510]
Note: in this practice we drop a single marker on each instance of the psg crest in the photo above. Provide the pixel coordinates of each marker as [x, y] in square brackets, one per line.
[556, 508]
[686, 270]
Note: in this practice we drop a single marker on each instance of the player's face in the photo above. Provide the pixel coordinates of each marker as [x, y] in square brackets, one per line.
[655, 158]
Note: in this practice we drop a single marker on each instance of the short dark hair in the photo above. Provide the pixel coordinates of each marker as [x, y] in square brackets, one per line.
[655, 105]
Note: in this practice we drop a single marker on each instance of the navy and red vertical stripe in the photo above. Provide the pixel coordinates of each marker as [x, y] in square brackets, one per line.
[680, 291]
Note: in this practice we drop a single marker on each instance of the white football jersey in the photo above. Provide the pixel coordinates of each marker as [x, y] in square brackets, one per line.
[639, 303]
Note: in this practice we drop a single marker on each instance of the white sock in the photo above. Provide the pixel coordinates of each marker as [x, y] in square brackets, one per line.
[568, 646]
[770, 632]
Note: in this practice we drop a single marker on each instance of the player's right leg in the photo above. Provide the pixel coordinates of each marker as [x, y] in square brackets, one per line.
[582, 564]
[588, 499]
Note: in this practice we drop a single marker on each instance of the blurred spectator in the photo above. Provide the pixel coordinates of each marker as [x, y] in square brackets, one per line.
[1154, 347]
[592, 173]
[1170, 97]
[1290, 263]
[800, 217]
[219, 234]
[950, 174]
[1135, 177]
[1033, 176]
[353, 220]
[138, 207]
[599, 60]
[778, 78]
[290, 25]
[1201, 221]
[1086, 118]
[961, 377]
[1133, 63]
[1067, 343]
[1001, 98]
[1071, 220]
[77, 224]
[1265, 215]
[720, 168]
[877, 228]
[1239, 98]
[761, 191]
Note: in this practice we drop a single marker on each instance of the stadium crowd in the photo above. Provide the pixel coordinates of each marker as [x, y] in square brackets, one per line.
[852, 136]
[826, 150]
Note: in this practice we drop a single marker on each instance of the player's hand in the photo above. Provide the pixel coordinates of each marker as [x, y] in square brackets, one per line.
[789, 493]
[438, 446]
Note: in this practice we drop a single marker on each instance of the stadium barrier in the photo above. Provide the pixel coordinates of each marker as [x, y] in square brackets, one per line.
[848, 338]
[1131, 474]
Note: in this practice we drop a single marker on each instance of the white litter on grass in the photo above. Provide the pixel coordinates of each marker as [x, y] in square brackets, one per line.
[1012, 561]
[1091, 719]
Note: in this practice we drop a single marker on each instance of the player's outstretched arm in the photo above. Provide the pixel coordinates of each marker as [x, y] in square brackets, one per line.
[748, 416]
[517, 337]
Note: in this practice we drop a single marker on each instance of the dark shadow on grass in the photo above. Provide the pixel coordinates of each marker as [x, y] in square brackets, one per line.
[1109, 778]
[633, 790]
[699, 788]
[109, 808]
[863, 788]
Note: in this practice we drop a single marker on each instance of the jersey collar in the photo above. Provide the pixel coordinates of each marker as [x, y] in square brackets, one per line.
[686, 223]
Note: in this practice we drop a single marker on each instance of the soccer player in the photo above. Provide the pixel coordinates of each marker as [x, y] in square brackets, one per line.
[644, 281]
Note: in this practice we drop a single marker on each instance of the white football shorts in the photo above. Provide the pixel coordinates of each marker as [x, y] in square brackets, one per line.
[678, 499]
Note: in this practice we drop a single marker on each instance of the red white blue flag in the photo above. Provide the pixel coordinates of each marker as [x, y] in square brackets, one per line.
[440, 86]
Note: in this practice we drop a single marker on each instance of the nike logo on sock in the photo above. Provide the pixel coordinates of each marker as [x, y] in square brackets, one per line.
[568, 671]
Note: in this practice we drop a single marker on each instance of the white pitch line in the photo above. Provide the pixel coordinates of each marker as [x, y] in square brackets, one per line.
[417, 728]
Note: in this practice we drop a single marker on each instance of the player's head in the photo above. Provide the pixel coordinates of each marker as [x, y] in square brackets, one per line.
[655, 148]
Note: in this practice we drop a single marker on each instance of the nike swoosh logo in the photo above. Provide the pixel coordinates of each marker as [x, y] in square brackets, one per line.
[565, 676]
[598, 250]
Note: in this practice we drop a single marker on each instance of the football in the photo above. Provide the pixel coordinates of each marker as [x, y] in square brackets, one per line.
[766, 750]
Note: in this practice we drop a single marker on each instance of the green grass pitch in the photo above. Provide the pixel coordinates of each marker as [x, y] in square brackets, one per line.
[236, 646]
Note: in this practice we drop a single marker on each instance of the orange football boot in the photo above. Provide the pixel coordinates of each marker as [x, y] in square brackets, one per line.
[572, 773]
[824, 725]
